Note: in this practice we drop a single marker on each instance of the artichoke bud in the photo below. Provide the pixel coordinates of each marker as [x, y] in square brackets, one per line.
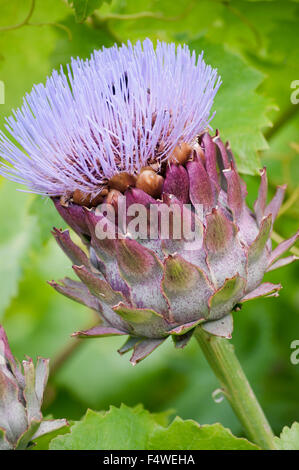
[21, 395]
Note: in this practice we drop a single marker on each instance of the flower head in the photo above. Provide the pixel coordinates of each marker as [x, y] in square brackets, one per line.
[128, 126]
[21, 395]
[120, 110]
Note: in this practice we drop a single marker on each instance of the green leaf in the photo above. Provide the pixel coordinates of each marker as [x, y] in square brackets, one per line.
[189, 435]
[276, 54]
[289, 438]
[47, 216]
[17, 233]
[240, 111]
[25, 51]
[43, 442]
[162, 417]
[84, 8]
[127, 428]
[85, 40]
[121, 428]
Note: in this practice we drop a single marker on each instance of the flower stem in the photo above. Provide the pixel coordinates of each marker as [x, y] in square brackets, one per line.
[221, 356]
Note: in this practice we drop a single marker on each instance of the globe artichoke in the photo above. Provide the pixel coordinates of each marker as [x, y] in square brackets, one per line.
[21, 395]
[130, 127]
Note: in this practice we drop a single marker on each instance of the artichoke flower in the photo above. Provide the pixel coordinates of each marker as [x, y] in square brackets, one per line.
[21, 395]
[127, 129]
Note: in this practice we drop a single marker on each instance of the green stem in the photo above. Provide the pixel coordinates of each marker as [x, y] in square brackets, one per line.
[146, 14]
[23, 23]
[221, 357]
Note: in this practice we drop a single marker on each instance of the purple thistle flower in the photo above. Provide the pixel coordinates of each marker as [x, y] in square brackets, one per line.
[126, 126]
[118, 111]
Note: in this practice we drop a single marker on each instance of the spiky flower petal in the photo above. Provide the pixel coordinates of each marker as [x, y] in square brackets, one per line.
[21, 395]
[115, 112]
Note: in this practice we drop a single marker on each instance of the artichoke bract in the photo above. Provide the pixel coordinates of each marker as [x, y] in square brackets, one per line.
[128, 130]
[150, 289]
[21, 395]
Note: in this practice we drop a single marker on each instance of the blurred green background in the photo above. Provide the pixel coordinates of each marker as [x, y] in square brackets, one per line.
[255, 45]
